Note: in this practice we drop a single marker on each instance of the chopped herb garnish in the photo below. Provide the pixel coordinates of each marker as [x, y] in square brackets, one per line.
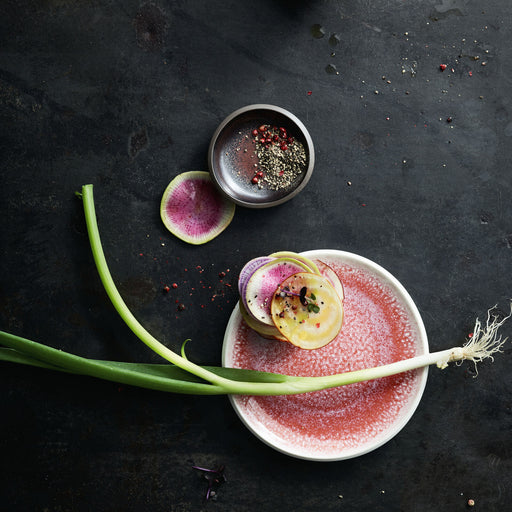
[307, 302]
[313, 308]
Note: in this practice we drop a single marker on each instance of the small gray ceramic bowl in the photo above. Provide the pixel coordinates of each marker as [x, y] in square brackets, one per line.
[231, 156]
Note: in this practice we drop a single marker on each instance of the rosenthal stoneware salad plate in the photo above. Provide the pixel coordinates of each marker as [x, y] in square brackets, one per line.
[381, 325]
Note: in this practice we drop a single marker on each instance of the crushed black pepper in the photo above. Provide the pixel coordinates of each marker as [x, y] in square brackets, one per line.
[281, 168]
[281, 158]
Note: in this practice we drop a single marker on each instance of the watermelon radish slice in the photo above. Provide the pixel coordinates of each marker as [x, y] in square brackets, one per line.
[289, 254]
[307, 310]
[264, 282]
[328, 272]
[266, 331]
[193, 209]
[247, 271]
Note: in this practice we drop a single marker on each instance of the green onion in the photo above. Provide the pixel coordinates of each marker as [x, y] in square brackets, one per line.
[183, 376]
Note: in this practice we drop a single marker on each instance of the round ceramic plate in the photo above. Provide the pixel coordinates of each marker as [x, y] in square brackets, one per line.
[381, 325]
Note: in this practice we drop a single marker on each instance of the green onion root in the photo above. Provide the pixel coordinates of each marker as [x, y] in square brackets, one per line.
[183, 376]
[484, 343]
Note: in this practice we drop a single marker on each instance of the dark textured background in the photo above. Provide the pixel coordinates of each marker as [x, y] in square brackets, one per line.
[125, 95]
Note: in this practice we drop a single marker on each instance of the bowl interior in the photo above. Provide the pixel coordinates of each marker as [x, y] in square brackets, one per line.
[232, 157]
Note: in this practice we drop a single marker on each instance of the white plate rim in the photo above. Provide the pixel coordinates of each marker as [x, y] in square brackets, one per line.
[422, 347]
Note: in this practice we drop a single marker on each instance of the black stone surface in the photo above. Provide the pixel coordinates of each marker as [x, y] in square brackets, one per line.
[413, 171]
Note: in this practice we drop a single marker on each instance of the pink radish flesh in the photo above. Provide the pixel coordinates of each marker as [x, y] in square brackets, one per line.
[263, 284]
[246, 273]
[193, 209]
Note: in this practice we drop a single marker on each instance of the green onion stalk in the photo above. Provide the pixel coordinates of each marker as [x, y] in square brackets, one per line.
[186, 377]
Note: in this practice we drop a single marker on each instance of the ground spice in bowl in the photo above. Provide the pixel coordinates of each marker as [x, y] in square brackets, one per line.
[280, 158]
[261, 156]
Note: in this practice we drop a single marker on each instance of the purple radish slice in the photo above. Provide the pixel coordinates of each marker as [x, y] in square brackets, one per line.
[289, 254]
[263, 284]
[193, 210]
[330, 274]
[269, 332]
[249, 268]
[247, 271]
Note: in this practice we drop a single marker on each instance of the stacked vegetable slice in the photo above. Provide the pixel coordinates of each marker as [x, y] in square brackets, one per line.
[288, 297]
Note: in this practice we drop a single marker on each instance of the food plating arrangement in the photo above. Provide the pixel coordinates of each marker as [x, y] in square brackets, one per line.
[255, 255]
[286, 297]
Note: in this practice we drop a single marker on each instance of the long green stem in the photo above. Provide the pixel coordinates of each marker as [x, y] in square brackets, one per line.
[163, 377]
[290, 385]
[120, 305]
[172, 378]
[184, 376]
[484, 344]
[36, 354]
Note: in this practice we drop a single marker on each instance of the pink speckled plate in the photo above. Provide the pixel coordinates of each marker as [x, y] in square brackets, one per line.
[381, 325]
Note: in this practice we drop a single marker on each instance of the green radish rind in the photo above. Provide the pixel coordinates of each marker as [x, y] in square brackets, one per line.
[264, 328]
[265, 325]
[193, 210]
[269, 332]
[263, 284]
[299, 257]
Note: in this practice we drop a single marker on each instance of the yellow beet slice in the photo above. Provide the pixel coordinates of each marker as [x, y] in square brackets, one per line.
[307, 311]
